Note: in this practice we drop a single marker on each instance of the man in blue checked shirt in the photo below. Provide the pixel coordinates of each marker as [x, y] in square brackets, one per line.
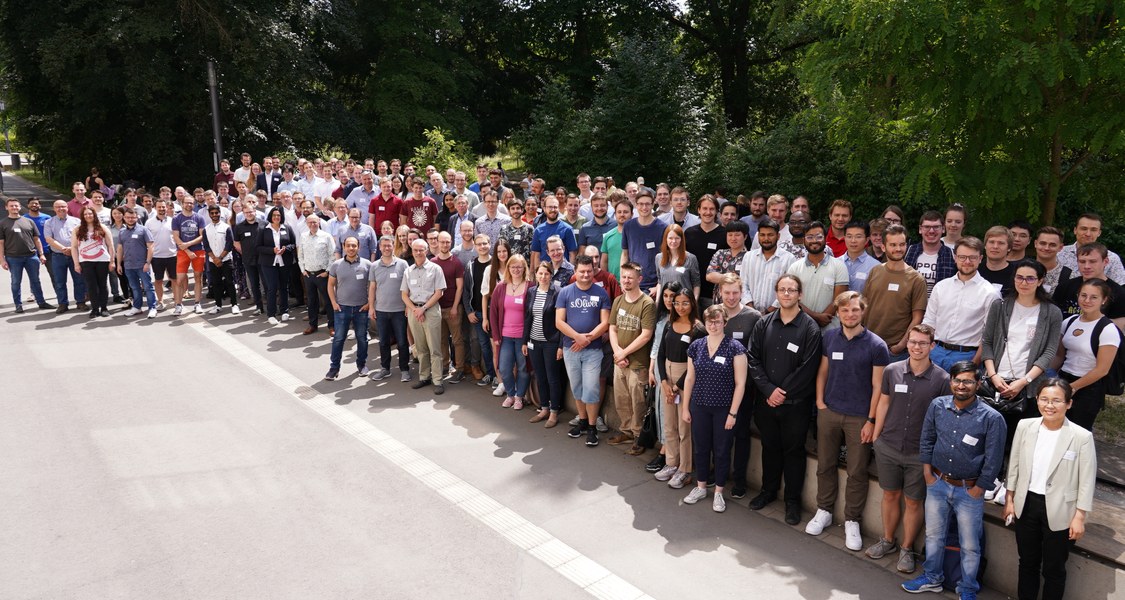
[961, 449]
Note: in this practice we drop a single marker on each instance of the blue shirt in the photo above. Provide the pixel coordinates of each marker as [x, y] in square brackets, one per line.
[591, 233]
[583, 310]
[40, 223]
[714, 375]
[858, 269]
[564, 273]
[190, 227]
[850, 364]
[963, 444]
[642, 242]
[368, 244]
[134, 246]
[545, 230]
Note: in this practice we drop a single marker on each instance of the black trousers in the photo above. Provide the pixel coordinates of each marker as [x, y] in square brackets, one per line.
[316, 290]
[742, 438]
[254, 276]
[783, 430]
[1042, 551]
[1088, 402]
[96, 274]
[221, 280]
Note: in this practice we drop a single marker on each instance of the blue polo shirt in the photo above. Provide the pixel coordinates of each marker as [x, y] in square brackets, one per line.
[642, 242]
[134, 246]
[545, 230]
[591, 233]
[850, 362]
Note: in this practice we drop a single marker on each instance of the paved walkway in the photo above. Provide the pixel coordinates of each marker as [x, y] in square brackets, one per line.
[18, 187]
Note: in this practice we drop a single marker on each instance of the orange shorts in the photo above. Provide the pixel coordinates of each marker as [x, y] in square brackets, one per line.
[196, 264]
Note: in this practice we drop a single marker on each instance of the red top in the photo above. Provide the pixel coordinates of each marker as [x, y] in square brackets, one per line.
[385, 210]
[839, 248]
[420, 214]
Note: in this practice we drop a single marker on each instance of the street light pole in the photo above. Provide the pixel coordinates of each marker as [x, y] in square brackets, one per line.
[215, 127]
[7, 141]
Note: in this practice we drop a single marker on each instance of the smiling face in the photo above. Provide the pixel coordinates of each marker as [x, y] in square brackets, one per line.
[1053, 405]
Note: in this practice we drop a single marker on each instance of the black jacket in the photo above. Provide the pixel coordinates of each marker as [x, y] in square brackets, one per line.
[550, 332]
[265, 246]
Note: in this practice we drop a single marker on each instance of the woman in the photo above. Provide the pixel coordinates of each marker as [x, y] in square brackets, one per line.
[411, 235]
[92, 248]
[448, 209]
[117, 281]
[955, 218]
[95, 182]
[716, 378]
[402, 247]
[675, 263]
[276, 249]
[500, 255]
[894, 215]
[396, 185]
[252, 183]
[1021, 336]
[530, 210]
[541, 343]
[1051, 474]
[672, 361]
[664, 310]
[506, 313]
[387, 229]
[1076, 352]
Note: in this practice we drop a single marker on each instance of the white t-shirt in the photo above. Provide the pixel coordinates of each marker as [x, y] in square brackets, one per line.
[1021, 330]
[927, 268]
[1045, 444]
[1079, 356]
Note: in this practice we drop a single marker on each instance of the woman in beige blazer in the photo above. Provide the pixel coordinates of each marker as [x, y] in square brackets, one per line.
[1051, 475]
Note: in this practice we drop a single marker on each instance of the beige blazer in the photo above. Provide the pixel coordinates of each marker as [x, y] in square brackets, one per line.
[1072, 470]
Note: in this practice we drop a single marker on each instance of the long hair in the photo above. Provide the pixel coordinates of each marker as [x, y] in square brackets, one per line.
[508, 268]
[85, 232]
[498, 267]
[675, 288]
[665, 252]
[690, 316]
[1041, 294]
[400, 248]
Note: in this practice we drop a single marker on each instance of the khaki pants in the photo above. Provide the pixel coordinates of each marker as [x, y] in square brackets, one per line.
[677, 432]
[427, 343]
[629, 398]
[451, 326]
[832, 428]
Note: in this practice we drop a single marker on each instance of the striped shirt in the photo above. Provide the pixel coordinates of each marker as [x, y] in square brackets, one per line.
[759, 277]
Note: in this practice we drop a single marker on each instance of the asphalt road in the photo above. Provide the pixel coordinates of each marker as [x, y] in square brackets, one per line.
[202, 457]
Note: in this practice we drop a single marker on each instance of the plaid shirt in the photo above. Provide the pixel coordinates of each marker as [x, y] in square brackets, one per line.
[946, 265]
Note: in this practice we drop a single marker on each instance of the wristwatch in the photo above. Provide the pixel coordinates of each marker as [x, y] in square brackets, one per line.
[1028, 379]
[871, 420]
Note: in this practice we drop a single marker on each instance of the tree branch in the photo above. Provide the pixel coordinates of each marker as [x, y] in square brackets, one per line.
[782, 52]
[1074, 166]
[688, 28]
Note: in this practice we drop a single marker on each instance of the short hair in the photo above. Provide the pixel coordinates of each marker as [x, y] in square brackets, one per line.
[1020, 224]
[707, 198]
[758, 194]
[496, 172]
[583, 260]
[925, 330]
[643, 193]
[930, 215]
[811, 226]
[1094, 248]
[1091, 216]
[768, 223]
[715, 310]
[999, 231]
[417, 181]
[859, 225]
[791, 277]
[384, 238]
[1048, 230]
[878, 225]
[840, 203]
[414, 244]
[621, 199]
[679, 189]
[738, 226]
[777, 199]
[631, 266]
[963, 366]
[845, 297]
[1059, 382]
[731, 278]
[971, 243]
[555, 238]
[894, 229]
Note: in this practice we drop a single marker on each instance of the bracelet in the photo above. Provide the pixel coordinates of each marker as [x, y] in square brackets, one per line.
[733, 415]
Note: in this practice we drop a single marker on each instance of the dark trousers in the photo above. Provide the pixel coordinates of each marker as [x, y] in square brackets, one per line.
[783, 430]
[1088, 402]
[391, 327]
[742, 438]
[711, 441]
[277, 289]
[296, 285]
[1041, 551]
[316, 295]
[96, 276]
[222, 282]
[254, 275]
[548, 374]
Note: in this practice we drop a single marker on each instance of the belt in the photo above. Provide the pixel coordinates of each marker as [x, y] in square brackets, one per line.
[965, 483]
[316, 273]
[955, 348]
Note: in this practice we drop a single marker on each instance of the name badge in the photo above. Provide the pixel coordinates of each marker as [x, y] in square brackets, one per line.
[837, 356]
[621, 311]
[861, 275]
[518, 299]
[15, 230]
[1069, 455]
[900, 388]
[359, 275]
[595, 300]
[679, 269]
[792, 347]
[516, 238]
[650, 245]
[413, 282]
[685, 339]
[135, 236]
[828, 281]
[382, 208]
[393, 276]
[721, 360]
[970, 440]
[892, 287]
[737, 335]
[247, 234]
[530, 345]
[602, 285]
[281, 229]
[712, 246]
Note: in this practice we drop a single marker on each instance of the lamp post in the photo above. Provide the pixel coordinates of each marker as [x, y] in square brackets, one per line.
[212, 82]
[7, 140]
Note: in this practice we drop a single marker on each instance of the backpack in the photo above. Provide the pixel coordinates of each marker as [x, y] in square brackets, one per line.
[1114, 380]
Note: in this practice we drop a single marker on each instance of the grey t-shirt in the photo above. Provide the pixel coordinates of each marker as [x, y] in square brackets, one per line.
[388, 285]
[134, 246]
[19, 236]
[352, 280]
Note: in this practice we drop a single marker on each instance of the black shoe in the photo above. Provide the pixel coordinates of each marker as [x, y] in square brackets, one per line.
[457, 377]
[656, 464]
[93, 313]
[439, 389]
[792, 513]
[118, 299]
[332, 375]
[577, 431]
[421, 383]
[592, 437]
[738, 492]
[61, 309]
[19, 309]
[762, 500]
[103, 313]
[81, 306]
[46, 306]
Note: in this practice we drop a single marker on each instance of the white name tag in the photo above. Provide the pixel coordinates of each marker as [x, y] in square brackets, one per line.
[737, 335]
[828, 281]
[861, 275]
[621, 311]
[281, 230]
[837, 356]
[382, 208]
[650, 245]
[892, 287]
[685, 339]
[1069, 455]
[359, 275]
[721, 360]
[970, 440]
[393, 276]
[531, 345]
[900, 388]
[247, 234]
[516, 238]
[135, 236]
[792, 347]
[599, 284]
[15, 230]
[680, 269]
[518, 299]
[595, 300]
[712, 246]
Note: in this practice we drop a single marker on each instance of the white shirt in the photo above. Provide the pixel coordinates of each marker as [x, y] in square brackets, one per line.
[323, 188]
[163, 245]
[1045, 444]
[690, 220]
[241, 174]
[1080, 358]
[782, 236]
[478, 210]
[217, 238]
[957, 309]
[277, 260]
[1068, 257]
[819, 282]
[1021, 330]
[759, 277]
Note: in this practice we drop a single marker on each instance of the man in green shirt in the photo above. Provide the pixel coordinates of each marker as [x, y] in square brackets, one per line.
[632, 319]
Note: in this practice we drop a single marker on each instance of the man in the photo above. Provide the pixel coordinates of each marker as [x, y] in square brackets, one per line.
[847, 394]
[641, 238]
[163, 249]
[795, 243]
[552, 226]
[269, 179]
[432, 243]
[131, 202]
[593, 232]
[288, 184]
[896, 296]
[242, 173]
[491, 222]
[462, 216]
[339, 221]
[704, 240]
[245, 243]
[21, 251]
[364, 198]
[571, 216]
[962, 445]
[907, 389]
[856, 258]
[996, 268]
[388, 309]
[1021, 238]
[97, 202]
[762, 267]
[466, 251]
[324, 188]
[224, 176]
[187, 231]
[958, 306]
[678, 214]
[931, 257]
[729, 259]
[823, 278]
[1087, 231]
[1048, 243]
[777, 206]
[757, 212]
[582, 317]
[741, 320]
[450, 302]
[496, 182]
[839, 215]
[728, 213]
[476, 272]
[632, 319]
[1093, 261]
[611, 239]
[422, 290]
[518, 234]
[482, 176]
[362, 232]
[876, 249]
[786, 383]
[663, 198]
[59, 231]
[436, 189]
[40, 219]
[585, 194]
[134, 261]
[348, 292]
[418, 211]
[78, 201]
[602, 277]
[561, 268]
[218, 244]
[461, 189]
[315, 253]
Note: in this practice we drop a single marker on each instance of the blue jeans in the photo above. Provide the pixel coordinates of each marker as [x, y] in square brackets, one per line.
[548, 374]
[942, 499]
[944, 357]
[391, 327]
[17, 265]
[485, 342]
[350, 316]
[584, 368]
[511, 357]
[141, 280]
[62, 264]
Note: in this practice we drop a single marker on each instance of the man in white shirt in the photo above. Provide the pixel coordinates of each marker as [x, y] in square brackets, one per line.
[958, 306]
[762, 267]
[242, 173]
[163, 248]
[1087, 231]
[218, 244]
[823, 278]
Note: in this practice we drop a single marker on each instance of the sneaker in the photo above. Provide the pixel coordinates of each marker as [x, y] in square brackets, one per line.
[666, 473]
[19, 309]
[104, 313]
[421, 383]
[820, 520]
[381, 375]
[508, 402]
[1001, 496]
[719, 504]
[214, 310]
[439, 389]
[499, 391]
[592, 437]
[179, 310]
[762, 500]
[234, 310]
[457, 377]
[921, 584]
[601, 426]
[485, 381]
[272, 321]
[680, 479]
[518, 404]
[364, 371]
[574, 421]
[990, 494]
[198, 309]
[880, 549]
[738, 492]
[405, 376]
[152, 313]
[258, 312]
[853, 539]
[906, 561]
[695, 495]
[792, 513]
[332, 375]
[577, 430]
[284, 316]
[47, 306]
[132, 312]
[656, 464]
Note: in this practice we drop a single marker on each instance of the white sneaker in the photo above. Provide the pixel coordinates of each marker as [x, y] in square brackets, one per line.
[990, 494]
[198, 309]
[179, 310]
[272, 321]
[131, 312]
[601, 426]
[1001, 496]
[284, 316]
[695, 495]
[214, 310]
[820, 520]
[499, 391]
[152, 313]
[719, 504]
[852, 537]
[666, 473]
[234, 310]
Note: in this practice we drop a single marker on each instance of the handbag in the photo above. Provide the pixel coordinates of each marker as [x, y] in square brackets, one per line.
[648, 437]
[1006, 406]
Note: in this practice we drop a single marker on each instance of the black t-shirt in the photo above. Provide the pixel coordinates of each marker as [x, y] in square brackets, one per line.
[1066, 298]
[478, 275]
[704, 245]
[1002, 277]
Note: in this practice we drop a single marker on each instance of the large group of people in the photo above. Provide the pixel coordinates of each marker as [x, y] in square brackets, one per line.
[943, 358]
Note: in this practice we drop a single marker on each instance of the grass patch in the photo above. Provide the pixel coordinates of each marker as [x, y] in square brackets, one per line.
[40, 178]
[1110, 428]
[513, 163]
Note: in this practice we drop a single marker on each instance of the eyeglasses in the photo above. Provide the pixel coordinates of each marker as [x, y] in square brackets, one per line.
[931, 227]
[961, 258]
[963, 382]
[715, 322]
[815, 238]
[918, 342]
[1050, 401]
[788, 291]
[1026, 279]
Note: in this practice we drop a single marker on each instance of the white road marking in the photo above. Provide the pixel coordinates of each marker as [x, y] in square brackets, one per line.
[587, 574]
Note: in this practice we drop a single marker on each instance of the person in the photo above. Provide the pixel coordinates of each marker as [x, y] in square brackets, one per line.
[906, 390]
[679, 203]
[490, 222]
[848, 383]
[894, 215]
[218, 244]
[664, 312]
[675, 263]
[777, 206]
[1093, 260]
[40, 219]
[246, 235]
[930, 257]
[187, 231]
[422, 289]
[362, 232]
[762, 267]
[163, 249]
[493, 276]
[640, 238]
[954, 220]
[704, 241]
[1021, 238]
[582, 317]
[552, 226]
[224, 175]
[896, 294]
[728, 213]
[823, 278]
[785, 377]
[756, 211]
[448, 206]
[269, 179]
[839, 216]
[517, 233]
[451, 302]
[593, 232]
[134, 261]
[729, 259]
[1051, 478]
[275, 249]
[1087, 230]
[349, 293]
[1077, 362]
[541, 344]
[21, 251]
[116, 283]
[672, 365]
[78, 201]
[958, 306]
[388, 310]
[740, 326]
[507, 316]
[92, 245]
[419, 211]
[570, 214]
[1048, 242]
[793, 238]
[961, 447]
[996, 268]
[59, 233]
[562, 268]
[478, 273]
[855, 256]
[876, 249]
[315, 254]
[632, 318]
[611, 239]
[384, 207]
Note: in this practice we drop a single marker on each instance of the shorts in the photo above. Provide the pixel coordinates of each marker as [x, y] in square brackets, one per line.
[196, 264]
[899, 471]
[164, 266]
[607, 362]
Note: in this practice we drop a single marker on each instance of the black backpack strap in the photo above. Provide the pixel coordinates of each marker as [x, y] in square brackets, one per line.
[1097, 334]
